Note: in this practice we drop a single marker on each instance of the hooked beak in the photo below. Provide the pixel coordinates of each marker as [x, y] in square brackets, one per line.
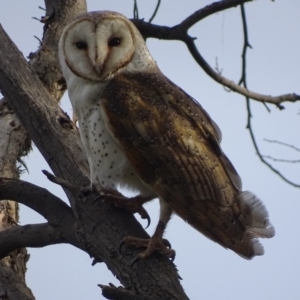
[97, 67]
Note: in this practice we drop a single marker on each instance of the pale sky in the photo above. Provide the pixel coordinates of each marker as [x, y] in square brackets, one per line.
[208, 270]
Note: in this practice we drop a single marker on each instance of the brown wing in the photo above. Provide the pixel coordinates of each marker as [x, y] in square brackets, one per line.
[174, 146]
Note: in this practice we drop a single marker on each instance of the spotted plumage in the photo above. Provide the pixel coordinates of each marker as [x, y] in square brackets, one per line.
[143, 132]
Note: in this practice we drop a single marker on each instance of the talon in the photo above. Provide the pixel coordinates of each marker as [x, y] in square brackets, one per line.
[172, 256]
[167, 243]
[144, 215]
[100, 197]
[136, 259]
[122, 243]
[149, 222]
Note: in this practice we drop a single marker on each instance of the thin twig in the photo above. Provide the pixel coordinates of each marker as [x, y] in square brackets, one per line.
[41, 43]
[208, 10]
[245, 47]
[293, 161]
[243, 81]
[63, 183]
[283, 144]
[135, 10]
[155, 11]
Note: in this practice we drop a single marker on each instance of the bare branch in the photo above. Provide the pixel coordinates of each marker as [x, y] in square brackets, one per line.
[155, 11]
[179, 32]
[117, 293]
[292, 161]
[34, 235]
[261, 157]
[283, 144]
[63, 183]
[277, 100]
[243, 81]
[41, 200]
[208, 10]
[135, 10]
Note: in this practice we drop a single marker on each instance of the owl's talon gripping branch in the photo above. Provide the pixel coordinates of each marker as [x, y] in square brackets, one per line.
[133, 205]
[154, 244]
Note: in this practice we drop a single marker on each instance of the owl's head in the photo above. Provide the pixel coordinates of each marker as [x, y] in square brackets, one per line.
[98, 45]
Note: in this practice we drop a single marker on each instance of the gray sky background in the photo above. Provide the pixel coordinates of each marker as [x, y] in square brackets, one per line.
[208, 270]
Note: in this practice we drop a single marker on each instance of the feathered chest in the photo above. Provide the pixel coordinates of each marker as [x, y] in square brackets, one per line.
[108, 162]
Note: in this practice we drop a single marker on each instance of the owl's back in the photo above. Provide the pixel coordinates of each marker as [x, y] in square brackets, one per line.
[175, 148]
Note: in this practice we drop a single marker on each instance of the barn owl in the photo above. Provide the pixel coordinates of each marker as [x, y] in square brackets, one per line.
[141, 131]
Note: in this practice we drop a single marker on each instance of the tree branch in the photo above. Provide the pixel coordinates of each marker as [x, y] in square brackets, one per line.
[209, 10]
[243, 81]
[33, 235]
[41, 200]
[117, 293]
[57, 212]
[155, 11]
[283, 144]
[179, 32]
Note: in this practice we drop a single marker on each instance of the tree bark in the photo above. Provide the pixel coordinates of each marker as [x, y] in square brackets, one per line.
[15, 141]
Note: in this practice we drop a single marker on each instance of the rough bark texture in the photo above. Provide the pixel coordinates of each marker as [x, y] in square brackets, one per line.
[15, 142]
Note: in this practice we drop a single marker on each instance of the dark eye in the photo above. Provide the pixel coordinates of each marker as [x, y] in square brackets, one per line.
[114, 42]
[81, 45]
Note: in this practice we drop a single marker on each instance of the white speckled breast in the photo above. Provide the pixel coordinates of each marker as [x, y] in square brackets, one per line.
[108, 163]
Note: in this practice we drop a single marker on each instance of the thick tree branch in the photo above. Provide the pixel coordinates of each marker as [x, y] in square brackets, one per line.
[102, 227]
[57, 212]
[33, 235]
[180, 33]
[41, 200]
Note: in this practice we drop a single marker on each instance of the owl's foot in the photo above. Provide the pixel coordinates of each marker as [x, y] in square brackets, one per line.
[133, 205]
[87, 190]
[153, 244]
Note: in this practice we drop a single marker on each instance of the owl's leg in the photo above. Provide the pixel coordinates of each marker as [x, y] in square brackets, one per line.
[133, 205]
[156, 243]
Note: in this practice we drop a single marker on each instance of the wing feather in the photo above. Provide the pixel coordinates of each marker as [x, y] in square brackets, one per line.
[175, 147]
